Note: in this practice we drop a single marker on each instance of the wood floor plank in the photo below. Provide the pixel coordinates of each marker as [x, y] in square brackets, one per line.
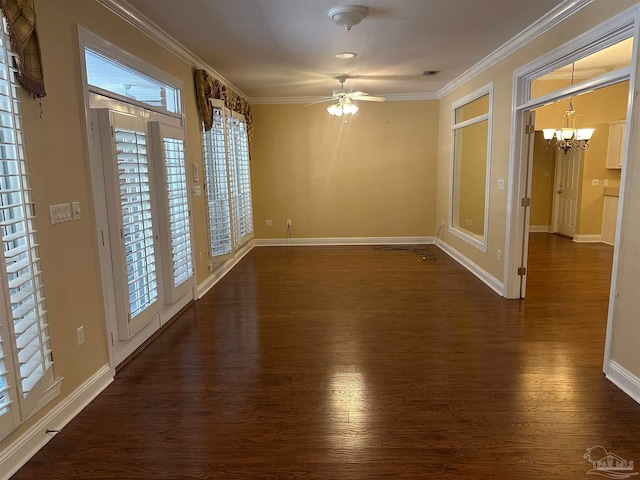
[350, 362]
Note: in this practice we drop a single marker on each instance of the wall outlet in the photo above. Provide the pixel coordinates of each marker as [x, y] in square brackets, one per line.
[200, 256]
[501, 184]
[499, 255]
[80, 334]
[468, 222]
[288, 223]
[606, 182]
[268, 223]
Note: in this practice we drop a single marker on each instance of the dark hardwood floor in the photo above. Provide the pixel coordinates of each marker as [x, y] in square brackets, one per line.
[353, 363]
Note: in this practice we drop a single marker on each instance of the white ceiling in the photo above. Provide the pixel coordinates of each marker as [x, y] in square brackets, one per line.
[285, 48]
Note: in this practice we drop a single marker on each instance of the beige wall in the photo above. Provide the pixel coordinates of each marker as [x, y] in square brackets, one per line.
[374, 176]
[542, 175]
[596, 109]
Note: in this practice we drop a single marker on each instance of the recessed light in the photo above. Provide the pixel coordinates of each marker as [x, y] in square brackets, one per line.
[346, 55]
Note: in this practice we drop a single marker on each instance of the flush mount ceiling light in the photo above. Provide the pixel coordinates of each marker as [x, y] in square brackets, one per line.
[346, 55]
[347, 16]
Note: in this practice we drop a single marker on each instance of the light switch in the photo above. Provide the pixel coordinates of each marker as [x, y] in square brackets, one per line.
[595, 182]
[501, 184]
[196, 190]
[77, 211]
[60, 213]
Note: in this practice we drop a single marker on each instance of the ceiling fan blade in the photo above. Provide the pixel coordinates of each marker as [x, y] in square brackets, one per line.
[324, 100]
[368, 98]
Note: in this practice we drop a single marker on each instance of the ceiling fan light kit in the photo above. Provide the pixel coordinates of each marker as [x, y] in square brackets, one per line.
[348, 16]
[343, 100]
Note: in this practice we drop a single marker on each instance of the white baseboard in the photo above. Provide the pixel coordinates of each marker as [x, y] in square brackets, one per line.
[624, 380]
[308, 242]
[15, 455]
[587, 238]
[223, 269]
[491, 281]
[539, 228]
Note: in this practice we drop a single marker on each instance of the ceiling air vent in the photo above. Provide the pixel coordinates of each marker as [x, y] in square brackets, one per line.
[431, 73]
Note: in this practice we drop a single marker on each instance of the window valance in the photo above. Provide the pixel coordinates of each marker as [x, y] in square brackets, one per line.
[21, 20]
[208, 88]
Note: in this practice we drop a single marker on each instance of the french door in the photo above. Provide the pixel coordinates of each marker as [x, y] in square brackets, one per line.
[144, 225]
[132, 215]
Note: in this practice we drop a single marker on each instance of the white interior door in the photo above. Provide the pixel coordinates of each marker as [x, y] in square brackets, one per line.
[566, 200]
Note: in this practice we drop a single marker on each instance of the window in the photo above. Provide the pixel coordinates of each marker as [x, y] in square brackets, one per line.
[112, 78]
[240, 179]
[217, 186]
[470, 168]
[228, 183]
[26, 360]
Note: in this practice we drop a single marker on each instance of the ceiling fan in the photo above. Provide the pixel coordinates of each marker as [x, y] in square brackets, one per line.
[344, 100]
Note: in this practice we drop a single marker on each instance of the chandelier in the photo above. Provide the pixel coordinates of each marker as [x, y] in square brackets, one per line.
[343, 107]
[569, 136]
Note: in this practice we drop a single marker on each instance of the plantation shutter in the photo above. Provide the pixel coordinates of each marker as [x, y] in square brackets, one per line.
[234, 187]
[25, 357]
[175, 217]
[217, 187]
[245, 213]
[128, 176]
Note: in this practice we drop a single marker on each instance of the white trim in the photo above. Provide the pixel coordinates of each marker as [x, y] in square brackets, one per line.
[539, 228]
[20, 450]
[611, 31]
[587, 238]
[223, 269]
[338, 241]
[478, 241]
[141, 22]
[533, 31]
[624, 380]
[632, 116]
[491, 281]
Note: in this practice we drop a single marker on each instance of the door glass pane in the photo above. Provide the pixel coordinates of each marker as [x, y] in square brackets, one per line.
[137, 234]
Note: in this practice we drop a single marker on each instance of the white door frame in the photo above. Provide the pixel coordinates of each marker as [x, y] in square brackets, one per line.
[610, 32]
[94, 154]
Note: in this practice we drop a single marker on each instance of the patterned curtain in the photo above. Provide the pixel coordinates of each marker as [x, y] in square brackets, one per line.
[211, 88]
[21, 20]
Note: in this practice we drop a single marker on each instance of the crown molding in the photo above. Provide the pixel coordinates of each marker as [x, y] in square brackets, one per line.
[138, 20]
[533, 31]
[312, 100]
